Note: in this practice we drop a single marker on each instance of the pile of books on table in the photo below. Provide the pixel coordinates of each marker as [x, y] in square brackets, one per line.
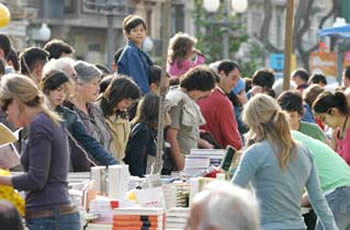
[138, 219]
[176, 218]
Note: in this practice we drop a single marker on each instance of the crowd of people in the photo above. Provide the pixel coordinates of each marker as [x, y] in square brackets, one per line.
[75, 115]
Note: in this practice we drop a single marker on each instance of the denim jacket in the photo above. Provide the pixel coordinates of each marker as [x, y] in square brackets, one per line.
[86, 142]
[135, 63]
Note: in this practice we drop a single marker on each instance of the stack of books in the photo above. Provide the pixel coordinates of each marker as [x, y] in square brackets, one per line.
[170, 192]
[195, 163]
[215, 155]
[138, 219]
[182, 194]
[176, 218]
[102, 208]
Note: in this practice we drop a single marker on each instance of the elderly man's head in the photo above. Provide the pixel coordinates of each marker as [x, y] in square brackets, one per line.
[223, 206]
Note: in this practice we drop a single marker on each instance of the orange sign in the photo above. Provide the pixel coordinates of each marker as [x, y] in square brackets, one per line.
[326, 63]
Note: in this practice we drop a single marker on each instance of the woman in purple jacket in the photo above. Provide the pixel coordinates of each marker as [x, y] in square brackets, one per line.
[45, 158]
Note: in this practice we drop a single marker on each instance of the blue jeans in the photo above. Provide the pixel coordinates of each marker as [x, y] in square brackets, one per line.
[339, 203]
[57, 222]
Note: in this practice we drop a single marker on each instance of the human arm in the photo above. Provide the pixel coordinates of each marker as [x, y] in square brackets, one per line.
[247, 167]
[39, 154]
[132, 65]
[90, 144]
[228, 125]
[171, 137]
[318, 200]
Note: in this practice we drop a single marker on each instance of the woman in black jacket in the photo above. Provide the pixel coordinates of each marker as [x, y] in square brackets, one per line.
[141, 149]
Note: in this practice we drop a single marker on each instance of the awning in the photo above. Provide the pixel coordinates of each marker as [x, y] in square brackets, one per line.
[341, 31]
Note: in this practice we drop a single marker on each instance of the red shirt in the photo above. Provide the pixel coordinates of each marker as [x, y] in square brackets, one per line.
[218, 112]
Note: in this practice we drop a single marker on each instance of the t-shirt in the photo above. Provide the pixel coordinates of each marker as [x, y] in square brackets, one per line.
[312, 130]
[332, 169]
[187, 136]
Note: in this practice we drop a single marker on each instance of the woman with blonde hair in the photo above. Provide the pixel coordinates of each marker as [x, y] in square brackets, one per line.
[279, 168]
[45, 158]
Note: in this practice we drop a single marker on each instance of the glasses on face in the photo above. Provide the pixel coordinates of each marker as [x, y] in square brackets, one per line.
[5, 106]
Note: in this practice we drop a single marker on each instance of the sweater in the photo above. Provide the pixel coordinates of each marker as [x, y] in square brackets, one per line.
[280, 191]
[45, 160]
[220, 119]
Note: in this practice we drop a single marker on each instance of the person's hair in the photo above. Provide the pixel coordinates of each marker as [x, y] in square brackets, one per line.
[264, 78]
[14, 59]
[302, 74]
[198, 78]
[311, 93]
[346, 72]
[117, 55]
[278, 86]
[30, 58]
[2, 67]
[5, 44]
[248, 84]
[179, 45]
[104, 83]
[104, 69]
[227, 66]
[317, 78]
[121, 87]
[132, 21]
[26, 91]
[326, 101]
[53, 81]
[154, 74]
[61, 64]
[219, 199]
[291, 101]
[268, 122]
[57, 47]
[86, 72]
[147, 110]
[9, 216]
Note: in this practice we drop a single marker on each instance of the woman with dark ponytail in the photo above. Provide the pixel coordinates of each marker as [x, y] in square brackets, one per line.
[279, 168]
[333, 110]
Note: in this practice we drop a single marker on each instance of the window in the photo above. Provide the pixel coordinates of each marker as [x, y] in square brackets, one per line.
[177, 18]
[69, 6]
[117, 7]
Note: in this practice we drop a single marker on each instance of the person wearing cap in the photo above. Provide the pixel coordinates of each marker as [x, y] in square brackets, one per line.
[86, 151]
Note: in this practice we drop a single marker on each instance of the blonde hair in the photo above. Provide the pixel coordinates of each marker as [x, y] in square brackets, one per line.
[267, 121]
[25, 91]
[179, 45]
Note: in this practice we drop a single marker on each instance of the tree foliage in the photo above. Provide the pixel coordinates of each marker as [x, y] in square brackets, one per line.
[210, 29]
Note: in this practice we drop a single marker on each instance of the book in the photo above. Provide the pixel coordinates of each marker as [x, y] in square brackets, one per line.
[137, 224]
[136, 228]
[139, 211]
[137, 218]
[6, 135]
[9, 156]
